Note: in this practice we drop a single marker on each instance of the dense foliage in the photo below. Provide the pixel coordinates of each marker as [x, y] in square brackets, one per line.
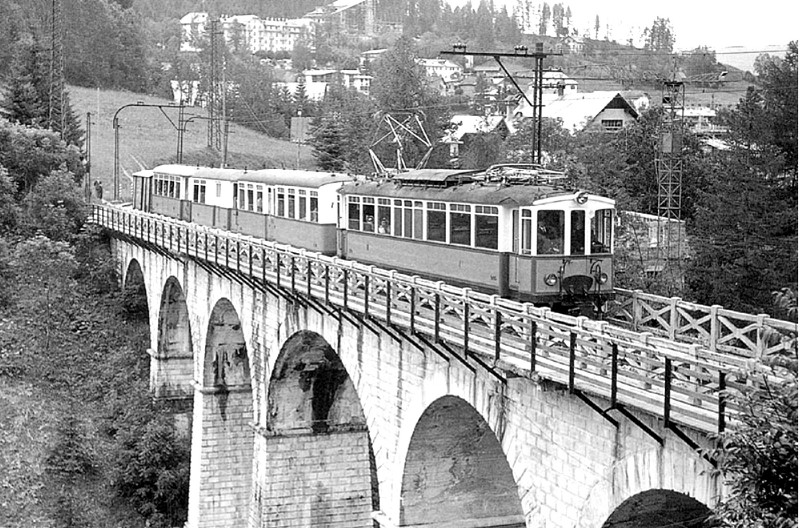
[66, 333]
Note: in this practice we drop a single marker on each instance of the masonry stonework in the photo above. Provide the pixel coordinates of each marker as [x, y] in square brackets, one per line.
[345, 423]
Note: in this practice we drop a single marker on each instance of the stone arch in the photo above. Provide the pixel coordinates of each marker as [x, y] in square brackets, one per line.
[222, 435]
[456, 471]
[315, 443]
[656, 508]
[134, 290]
[172, 368]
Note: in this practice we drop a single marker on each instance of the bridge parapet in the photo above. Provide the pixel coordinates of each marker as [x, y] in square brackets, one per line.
[683, 384]
[712, 327]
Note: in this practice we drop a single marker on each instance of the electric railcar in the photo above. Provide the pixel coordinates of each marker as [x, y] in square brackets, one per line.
[508, 230]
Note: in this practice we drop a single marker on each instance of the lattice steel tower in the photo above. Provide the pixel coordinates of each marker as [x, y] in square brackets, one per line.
[214, 87]
[669, 164]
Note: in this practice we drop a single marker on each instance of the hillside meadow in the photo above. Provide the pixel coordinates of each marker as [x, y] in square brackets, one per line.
[148, 137]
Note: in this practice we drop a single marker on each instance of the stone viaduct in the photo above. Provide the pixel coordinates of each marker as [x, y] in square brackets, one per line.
[305, 415]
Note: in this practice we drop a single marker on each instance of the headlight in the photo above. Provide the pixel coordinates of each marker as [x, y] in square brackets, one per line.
[551, 279]
[602, 278]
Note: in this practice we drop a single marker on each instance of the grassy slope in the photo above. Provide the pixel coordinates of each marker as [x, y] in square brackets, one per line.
[147, 137]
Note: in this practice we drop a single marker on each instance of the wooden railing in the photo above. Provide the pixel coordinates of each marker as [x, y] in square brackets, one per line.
[678, 382]
[712, 327]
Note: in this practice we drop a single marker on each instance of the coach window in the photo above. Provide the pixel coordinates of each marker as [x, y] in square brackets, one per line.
[384, 216]
[353, 213]
[527, 225]
[602, 229]
[408, 218]
[219, 189]
[368, 214]
[460, 224]
[577, 233]
[290, 203]
[302, 200]
[314, 206]
[437, 220]
[199, 191]
[280, 197]
[550, 232]
[250, 197]
[259, 199]
[242, 199]
[486, 226]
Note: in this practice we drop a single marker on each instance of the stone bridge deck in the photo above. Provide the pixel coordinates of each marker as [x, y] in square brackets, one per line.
[663, 356]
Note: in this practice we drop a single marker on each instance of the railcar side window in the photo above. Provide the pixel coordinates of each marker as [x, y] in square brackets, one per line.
[398, 218]
[550, 232]
[280, 193]
[314, 206]
[527, 225]
[219, 189]
[408, 218]
[437, 219]
[577, 239]
[460, 224]
[353, 213]
[486, 226]
[384, 216]
[418, 220]
[301, 204]
[259, 199]
[199, 191]
[242, 202]
[602, 228]
[368, 214]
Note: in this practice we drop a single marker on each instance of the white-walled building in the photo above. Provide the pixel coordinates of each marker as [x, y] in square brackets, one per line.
[446, 69]
[256, 34]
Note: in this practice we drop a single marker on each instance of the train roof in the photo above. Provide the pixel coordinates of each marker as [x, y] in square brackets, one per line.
[476, 192]
[297, 178]
[294, 178]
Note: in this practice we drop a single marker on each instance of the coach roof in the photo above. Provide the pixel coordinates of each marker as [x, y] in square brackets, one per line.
[294, 178]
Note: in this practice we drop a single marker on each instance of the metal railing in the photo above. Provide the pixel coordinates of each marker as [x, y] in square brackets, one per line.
[712, 327]
[683, 384]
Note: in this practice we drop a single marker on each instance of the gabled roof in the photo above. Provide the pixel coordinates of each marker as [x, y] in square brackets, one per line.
[194, 18]
[471, 124]
[577, 110]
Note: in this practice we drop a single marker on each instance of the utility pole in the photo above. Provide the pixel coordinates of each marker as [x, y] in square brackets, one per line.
[88, 159]
[538, 76]
[56, 112]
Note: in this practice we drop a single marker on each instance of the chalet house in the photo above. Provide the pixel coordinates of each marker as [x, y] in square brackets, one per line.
[193, 27]
[606, 111]
[446, 69]
[317, 82]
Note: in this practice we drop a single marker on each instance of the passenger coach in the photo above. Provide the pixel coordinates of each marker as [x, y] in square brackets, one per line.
[522, 237]
[287, 206]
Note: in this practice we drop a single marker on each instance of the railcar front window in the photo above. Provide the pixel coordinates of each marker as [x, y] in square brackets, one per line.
[550, 232]
[577, 239]
[353, 213]
[602, 229]
[460, 224]
[486, 226]
[437, 220]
